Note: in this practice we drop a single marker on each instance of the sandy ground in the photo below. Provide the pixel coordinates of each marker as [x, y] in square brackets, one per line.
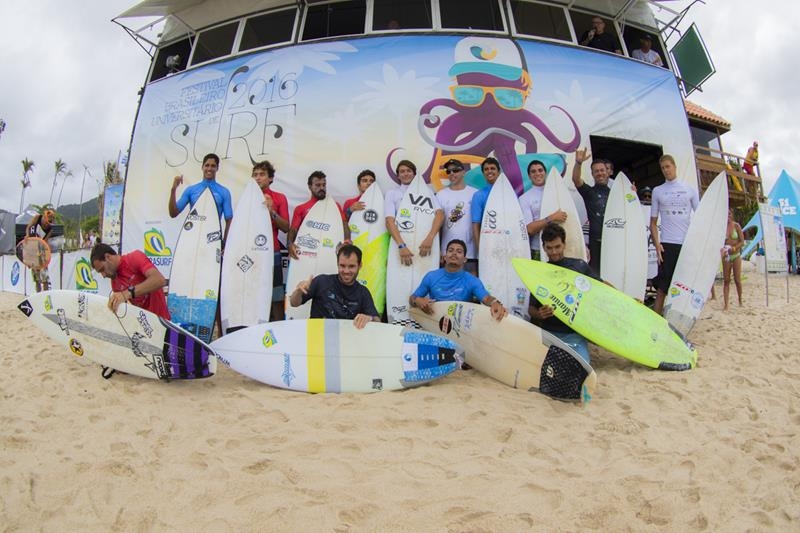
[713, 449]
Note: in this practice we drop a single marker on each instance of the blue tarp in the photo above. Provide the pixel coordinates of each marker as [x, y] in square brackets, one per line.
[784, 194]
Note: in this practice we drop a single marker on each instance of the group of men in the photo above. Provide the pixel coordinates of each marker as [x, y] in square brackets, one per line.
[340, 295]
[598, 38]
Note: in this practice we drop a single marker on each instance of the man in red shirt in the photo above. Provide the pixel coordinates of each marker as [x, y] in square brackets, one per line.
[133, 277]
[364, 179]
[317, 185]
[264, 174]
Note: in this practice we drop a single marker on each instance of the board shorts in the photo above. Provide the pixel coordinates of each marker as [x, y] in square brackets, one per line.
[471, 266]
[667, 267]
[536, 254]
[278, 291]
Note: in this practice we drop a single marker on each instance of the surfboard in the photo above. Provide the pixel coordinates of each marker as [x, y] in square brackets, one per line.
[414, 219]
[248, 263]
[512, 351]
[652, 255]
[368, 232]
[606, 316]
[133, 340]
[319, 355]
[35, 253]
[195, 272]
[321, 232]
[623, 257]
[554, 197]
[699, 258]
[503, 236]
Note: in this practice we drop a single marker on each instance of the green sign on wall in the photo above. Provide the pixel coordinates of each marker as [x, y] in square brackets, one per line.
[692, 59]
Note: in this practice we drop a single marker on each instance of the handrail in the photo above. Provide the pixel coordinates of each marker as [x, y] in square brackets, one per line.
[723, 154]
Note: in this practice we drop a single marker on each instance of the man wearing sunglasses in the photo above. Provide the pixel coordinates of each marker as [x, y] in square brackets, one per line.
[456, 200]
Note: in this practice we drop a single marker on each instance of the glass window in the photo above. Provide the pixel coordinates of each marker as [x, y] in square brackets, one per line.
[271, 28]
[331, 20]
[540, 20]
[401, 15]
[471, 15]
[583, 24]
[171, 58]
[214, 43]
[634, 41]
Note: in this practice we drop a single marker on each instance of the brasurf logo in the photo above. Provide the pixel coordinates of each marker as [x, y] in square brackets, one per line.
[156, 249]
[84, 279]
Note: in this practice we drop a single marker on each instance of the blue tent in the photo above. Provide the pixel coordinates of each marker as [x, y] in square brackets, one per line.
[786, 195]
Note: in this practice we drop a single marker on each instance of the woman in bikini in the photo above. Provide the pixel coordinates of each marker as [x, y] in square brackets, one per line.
[732, 259]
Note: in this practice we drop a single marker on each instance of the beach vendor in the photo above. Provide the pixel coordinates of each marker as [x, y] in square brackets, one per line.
[134, 279]
[41, 226]
[339, 295]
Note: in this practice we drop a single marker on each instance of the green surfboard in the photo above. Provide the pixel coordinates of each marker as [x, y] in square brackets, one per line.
[606, 316]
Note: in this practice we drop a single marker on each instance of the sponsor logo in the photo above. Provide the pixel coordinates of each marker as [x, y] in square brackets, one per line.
[214, 236]
[84, 279]
[15, 273]
[697, 300]
[327, 243]
[318, 225]
[490, 219]
[158, 366]
[446, 325]
[549, 372]
[307, 241]
[219, 256]
[260, 241]
[405, 225]
[563, 286]
[399, 308]
[268, 340]
[62, 321]
[542, 292]
[630, 197]
[188, 225]
[245, 263]
[48, 304]
[405, 212]
[81, 305]
[26, 308]
[211, 294]
[155, 248]
[354, 229]
[194, 216]
[288, 374]
[136, 344]
[569, 299]
[75, 347]
[615, 223]
[421, 201]
[674, 291]
[145, 324]
[582, 284]
[370, 216]
[377, 384]
[522, 294]
[407, 357]
[562, 307]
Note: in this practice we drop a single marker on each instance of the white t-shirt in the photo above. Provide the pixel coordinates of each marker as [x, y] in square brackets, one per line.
[531, 204]
[457, 217]
[674, 201]
[392, 200]
[650, 57]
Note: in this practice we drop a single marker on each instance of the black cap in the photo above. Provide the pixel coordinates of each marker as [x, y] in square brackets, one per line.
[455, 163]
[644, 190]
[646, 37]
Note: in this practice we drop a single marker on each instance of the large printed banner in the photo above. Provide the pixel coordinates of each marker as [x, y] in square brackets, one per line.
[344, 106]
[112, 209]
[774, 237]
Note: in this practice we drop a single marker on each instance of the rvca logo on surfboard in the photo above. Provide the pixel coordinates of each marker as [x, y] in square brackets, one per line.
[420, 202]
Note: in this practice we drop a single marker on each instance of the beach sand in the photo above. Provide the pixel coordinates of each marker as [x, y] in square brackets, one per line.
[712, 449]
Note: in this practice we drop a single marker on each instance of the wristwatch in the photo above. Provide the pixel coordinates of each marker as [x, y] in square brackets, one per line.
[132, 290]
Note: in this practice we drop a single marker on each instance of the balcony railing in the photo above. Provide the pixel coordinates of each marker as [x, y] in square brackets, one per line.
[743, 188]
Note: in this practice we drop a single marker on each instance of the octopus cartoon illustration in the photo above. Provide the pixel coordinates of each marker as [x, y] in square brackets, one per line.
[488, 116]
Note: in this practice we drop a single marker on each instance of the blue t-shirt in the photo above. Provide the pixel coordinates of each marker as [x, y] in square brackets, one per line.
[441, 285]
[222, 197]
[479, 204]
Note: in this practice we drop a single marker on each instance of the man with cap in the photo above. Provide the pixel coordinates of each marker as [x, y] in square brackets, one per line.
[456, 200]
[646, 53]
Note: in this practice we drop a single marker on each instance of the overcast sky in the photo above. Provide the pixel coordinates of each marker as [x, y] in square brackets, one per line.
[70, 77]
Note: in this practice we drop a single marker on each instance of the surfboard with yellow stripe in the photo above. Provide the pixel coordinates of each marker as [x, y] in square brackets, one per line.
[318, 355]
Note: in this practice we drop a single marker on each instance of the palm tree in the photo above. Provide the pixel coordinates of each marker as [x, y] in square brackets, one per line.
[67, 176]
[27, 168]
[60, 167]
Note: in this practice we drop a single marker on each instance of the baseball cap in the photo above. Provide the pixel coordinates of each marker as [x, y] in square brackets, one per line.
[455, 163]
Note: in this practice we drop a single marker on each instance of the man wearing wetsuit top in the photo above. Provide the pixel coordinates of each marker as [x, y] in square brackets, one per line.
[222, 196]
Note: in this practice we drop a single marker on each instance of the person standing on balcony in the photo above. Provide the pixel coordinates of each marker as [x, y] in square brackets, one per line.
[751, 159]
[646, 53]
[598, 39]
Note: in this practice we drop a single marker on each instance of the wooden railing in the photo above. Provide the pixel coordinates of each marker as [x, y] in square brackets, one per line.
[742, 187]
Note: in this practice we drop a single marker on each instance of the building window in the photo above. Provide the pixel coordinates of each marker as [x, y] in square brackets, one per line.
[171, 59]
[334, 19]
[540, 20]
[214, 43]
[271, 28]
[401, 15]
[471, 15]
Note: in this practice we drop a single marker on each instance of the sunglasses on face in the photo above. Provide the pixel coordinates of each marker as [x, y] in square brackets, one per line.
[453, 170]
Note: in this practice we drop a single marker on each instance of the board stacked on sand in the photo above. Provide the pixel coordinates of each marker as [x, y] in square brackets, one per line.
[554, 197]
[194, 276]
[316, 241]
[414, 220]
[368, 232]
[503, 236]
[512, 351]
[319, 355]
[134, 340]
[247, 267]
[623, 258]
[606, 316]
[699, 259]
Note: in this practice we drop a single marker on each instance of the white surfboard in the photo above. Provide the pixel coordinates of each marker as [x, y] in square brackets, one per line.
[194, 276]
[699, 259]
[512, 351]
[554, 197]
[316, 241]
[503, 237]
[133, 340]
[414, 219]
[623, 258]
[248, 263]
[368, 232]
[318, 355]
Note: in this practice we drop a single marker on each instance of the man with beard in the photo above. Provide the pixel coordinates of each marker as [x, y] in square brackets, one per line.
[317, 185]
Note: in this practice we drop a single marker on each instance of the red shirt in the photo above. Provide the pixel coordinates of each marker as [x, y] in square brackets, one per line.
[131, 271]
[302, 210]
[279, 205]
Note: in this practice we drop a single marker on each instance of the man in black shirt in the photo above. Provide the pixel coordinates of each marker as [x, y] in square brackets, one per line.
[595, 197]
[598, 39]
[553, 241]
[338, 295]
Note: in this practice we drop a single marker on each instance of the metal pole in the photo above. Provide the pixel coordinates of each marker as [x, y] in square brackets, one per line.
[80, 208]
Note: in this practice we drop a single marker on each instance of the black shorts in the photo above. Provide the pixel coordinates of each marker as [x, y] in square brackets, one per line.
[667, 267]
[278, 291]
